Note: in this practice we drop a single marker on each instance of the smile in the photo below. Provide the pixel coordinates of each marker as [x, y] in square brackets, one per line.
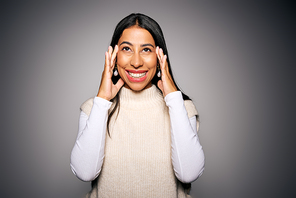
[136, 76]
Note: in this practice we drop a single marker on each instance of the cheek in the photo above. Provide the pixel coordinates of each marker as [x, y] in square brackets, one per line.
[121, 59]
[152, 62]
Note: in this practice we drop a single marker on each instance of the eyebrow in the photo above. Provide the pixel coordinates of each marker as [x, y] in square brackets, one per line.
[143, 45]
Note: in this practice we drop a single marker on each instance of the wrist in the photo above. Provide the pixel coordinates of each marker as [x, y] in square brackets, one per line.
[100, 95]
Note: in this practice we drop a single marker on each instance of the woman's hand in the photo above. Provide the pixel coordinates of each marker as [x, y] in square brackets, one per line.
[107, 89]
[166, 84]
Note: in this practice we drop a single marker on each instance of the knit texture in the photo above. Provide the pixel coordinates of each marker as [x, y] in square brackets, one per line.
[137, 159]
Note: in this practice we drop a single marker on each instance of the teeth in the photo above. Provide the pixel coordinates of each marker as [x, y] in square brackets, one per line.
[137, 75]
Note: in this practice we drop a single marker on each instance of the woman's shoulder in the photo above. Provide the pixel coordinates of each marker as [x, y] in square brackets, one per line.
[190, 108]
[87, 106]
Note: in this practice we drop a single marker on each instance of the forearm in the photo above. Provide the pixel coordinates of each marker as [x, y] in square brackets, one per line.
[88, 152]
[187, 152]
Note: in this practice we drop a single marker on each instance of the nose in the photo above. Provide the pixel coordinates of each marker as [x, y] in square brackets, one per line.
[136, 60]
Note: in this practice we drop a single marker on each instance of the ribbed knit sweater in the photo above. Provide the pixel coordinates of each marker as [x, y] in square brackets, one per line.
[137, 159]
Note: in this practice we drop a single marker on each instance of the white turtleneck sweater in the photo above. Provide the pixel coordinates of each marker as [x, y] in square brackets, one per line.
[92, 145]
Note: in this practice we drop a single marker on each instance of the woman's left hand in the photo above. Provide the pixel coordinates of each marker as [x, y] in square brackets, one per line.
[166, 84]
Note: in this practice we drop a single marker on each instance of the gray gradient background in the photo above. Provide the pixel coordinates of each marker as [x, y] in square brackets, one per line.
[233, 59]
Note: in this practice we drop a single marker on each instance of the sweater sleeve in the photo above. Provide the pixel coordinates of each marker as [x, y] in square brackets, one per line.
[88, 152]
[187, 153]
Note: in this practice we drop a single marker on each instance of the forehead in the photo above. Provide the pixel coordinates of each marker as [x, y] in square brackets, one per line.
[136, 35]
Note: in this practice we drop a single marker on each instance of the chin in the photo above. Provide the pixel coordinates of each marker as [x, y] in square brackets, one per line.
[137, 86]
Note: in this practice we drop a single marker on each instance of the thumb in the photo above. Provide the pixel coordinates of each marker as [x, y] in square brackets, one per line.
[160, 85]
[119, 84]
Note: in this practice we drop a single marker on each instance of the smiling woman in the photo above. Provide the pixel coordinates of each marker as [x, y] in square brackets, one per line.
[136, 58]
[152, 148]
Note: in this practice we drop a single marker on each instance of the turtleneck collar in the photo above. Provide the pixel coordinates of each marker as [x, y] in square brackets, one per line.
[139, 100]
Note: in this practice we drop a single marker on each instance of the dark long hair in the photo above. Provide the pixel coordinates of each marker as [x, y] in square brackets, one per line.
[152, 26]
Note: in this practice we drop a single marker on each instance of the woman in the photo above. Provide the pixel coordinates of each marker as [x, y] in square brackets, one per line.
[151, 148]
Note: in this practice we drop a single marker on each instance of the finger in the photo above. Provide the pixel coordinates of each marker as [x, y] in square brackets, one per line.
[166, 67]
[114, 53]
[163, 63]
[109, 55]
[119, 84]
[110, 49]
[106, 60]
[158, 54]
[161, 53]
[160, 85]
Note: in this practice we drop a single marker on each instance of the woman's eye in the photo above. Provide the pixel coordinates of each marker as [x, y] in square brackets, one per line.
[126, 49]
[147, 50]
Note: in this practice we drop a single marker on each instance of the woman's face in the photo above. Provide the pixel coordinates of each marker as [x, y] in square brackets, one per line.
[136, 58]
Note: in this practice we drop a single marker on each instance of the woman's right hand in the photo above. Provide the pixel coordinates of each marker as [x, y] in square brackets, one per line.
[107, 89]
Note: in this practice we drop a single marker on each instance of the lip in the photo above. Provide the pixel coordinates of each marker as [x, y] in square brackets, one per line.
[136, 72]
